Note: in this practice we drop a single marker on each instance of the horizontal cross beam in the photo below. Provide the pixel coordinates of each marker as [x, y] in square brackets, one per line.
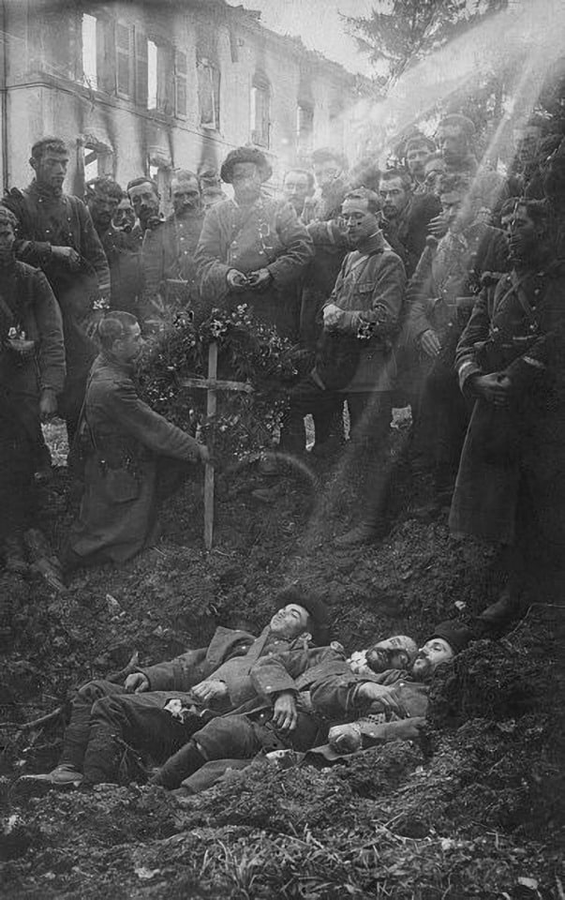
[213, 384]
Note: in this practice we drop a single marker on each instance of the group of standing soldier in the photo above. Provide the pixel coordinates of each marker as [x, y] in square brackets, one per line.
[432, 283]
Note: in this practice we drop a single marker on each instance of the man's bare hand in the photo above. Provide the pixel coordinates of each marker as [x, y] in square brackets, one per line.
[203, 453]
[345, 738]
[430, 343]
[332, 315]
[494, 388]
[370, 692]
[210, 691]
[438, 226]
[236, 280]
[47, 404]
[67, 255]
[136, 683]
[259, 280]
[284, 711]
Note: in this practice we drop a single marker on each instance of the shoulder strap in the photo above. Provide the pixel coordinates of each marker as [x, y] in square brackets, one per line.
[518, 288]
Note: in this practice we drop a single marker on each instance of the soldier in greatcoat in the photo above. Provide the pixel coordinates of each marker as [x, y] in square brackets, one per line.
[252, 249]
[57, 235]
[124, 443]
[32, 374]
[511, 363]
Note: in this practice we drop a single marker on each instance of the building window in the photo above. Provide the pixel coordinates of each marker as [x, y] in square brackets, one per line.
[160, 78]
[97, 158]
[260, 111]
[152, 68]
[208, 94]
[181, 75]
[124, 59]
[90, 51]
[141, 68]
[304, 128]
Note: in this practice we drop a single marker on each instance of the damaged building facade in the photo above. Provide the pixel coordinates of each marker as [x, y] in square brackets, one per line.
[149, 87]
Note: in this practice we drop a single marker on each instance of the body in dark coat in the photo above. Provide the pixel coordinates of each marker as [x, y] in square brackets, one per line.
[159, 721]
[305, 672]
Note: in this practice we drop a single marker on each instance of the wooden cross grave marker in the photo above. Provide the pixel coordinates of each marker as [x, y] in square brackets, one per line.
[211, 385]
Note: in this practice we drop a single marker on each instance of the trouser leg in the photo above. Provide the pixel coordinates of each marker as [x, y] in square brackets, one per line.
[540, 532]
[227, 737]
[443, 422]
[17, 464]
[77, 732]
[328, 419]
[124, 728]
[307, 397]
[370, 415]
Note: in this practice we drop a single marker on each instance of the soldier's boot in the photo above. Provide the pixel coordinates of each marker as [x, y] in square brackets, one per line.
[494, 619]
[179, 766]
[62, 778]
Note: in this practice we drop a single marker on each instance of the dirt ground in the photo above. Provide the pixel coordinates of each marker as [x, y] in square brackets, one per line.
[474, 810]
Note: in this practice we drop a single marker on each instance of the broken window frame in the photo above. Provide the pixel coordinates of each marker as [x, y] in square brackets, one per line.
[181, 83]
[260, 120]
[124, 60]
[209, 81]
[89, 54]
[304, 128]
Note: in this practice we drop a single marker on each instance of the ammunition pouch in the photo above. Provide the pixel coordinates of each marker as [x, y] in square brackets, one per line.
[121, 485]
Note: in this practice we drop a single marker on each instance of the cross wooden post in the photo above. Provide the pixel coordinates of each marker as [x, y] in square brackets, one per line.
[211, 385]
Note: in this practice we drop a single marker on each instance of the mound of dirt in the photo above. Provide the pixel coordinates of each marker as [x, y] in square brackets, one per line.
[474, 809]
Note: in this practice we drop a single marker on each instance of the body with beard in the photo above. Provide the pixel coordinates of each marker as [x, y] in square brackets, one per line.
[396, 711]
[396, 652]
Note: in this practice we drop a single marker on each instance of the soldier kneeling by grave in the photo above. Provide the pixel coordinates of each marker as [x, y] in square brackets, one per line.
[123, 444]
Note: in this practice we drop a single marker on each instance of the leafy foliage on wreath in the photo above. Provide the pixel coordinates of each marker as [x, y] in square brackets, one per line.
[249, 352]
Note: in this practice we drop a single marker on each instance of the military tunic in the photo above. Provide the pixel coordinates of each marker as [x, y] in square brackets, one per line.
[370, 290]
[122, 253]
[266, 235]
